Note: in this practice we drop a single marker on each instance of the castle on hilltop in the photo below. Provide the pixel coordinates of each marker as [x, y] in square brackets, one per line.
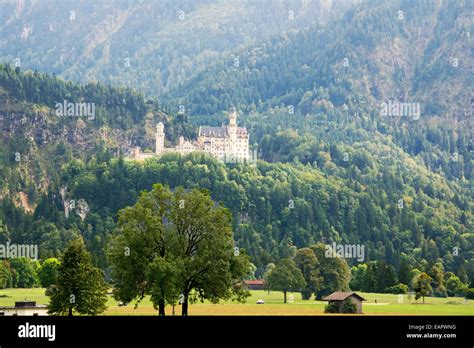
[228, 143]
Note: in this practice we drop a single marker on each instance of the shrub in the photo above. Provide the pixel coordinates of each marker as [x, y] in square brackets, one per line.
[397, 289]
[332, 307]
[469, 294]
[455, 286]
[440, 293]
[348, 306]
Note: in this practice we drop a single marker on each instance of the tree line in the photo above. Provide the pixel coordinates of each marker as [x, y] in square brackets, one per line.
[275, 208]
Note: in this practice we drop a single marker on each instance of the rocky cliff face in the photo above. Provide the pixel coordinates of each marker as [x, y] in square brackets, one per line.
[36, 142]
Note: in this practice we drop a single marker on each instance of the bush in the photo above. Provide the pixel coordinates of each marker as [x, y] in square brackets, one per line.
[397, 289]
[469, 294]
[306, 294]
[454, 286]
[440, 293]
[348, 306]
[332, 307]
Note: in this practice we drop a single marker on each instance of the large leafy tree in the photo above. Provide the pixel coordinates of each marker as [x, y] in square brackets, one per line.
[139, 250]
[307, 262]
[437, 274]
[176, 246]
[378, 277]
[358, 274]
[212, 267]
[334, 271]
[80, 287]
[285, 277]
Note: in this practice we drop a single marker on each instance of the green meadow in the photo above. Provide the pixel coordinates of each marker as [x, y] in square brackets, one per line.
[376, 304]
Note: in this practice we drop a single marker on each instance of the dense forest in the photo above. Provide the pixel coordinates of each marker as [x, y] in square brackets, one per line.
[328, 84]
[401, 50]
[276, 207]
[146, 45]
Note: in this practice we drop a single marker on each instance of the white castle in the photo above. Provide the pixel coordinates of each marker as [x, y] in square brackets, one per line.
[227, 143]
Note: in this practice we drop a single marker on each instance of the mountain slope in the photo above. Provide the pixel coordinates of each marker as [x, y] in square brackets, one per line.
[37, 140]
[148, 45]
[402, 50]
[351, 199]
[329, 82]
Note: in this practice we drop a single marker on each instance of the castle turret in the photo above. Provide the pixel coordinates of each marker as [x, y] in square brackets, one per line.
[233, 123]
[232, 130]
[160, 138]
[233, 118]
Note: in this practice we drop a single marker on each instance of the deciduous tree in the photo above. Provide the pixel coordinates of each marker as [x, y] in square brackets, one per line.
[422, 286]
[48, 273]
[285, 277]
[307, 263]
[80, 287]
[177, 246]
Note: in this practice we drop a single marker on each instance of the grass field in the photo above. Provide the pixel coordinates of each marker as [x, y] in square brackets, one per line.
[387, 304]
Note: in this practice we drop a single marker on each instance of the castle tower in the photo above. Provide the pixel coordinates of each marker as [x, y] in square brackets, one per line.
[232, 129]
[233, 118]
[160, 138]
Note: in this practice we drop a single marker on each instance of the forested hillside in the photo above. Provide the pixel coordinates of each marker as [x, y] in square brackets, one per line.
[345, 193]
[401, 50]
[36, 142]
[328, 82]
[150, 46]
[276, 207]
